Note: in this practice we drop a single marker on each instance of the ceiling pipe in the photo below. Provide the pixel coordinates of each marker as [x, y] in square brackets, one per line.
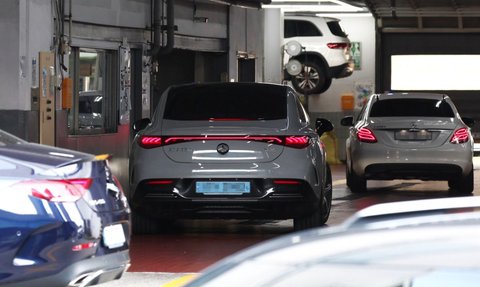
[157, 48]
[244, 3]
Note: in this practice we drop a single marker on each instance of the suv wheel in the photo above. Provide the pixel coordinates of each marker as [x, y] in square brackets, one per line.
[312, 79]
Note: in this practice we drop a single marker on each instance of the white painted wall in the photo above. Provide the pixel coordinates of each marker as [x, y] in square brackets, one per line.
[9, 58]
[273, 46]
[26, 29]
[359, 29]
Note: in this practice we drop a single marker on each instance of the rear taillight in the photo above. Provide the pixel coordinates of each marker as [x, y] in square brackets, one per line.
[147, 141]
[460, 136]
[84, 246]
[338, 45]
[68, 190]
[297, 141]
[150, 141]
[366, 135]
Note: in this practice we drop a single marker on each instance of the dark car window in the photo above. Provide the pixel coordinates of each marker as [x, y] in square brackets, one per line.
[299, 28]
[411, 108]
[240, 102]
[336, 29]
[301, 112]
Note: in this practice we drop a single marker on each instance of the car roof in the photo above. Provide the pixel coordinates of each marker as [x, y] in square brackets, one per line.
[411, 95]
[418, 250]
[415, 212]
[310, 17]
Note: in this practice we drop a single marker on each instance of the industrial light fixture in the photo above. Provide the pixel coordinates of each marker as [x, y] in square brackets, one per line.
[331, 6]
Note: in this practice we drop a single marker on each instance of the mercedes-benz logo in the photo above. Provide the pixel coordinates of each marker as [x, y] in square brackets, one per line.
[222, 148]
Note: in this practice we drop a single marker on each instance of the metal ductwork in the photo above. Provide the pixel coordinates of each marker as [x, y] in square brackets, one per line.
[158, 28]
[244, 3]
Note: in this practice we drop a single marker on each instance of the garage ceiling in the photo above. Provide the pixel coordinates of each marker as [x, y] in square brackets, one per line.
[244, 3]
[430, 15]
[398, 15]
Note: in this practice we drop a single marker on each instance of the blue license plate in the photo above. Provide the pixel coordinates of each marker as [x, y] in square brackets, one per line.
[222, 187]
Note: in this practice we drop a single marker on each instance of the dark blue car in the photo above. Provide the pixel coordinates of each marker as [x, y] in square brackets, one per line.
[64, 220]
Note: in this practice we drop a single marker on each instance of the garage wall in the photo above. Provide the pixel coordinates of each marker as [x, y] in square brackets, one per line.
[328, 105]
[467, 102]
[26, 29]
[359, 29]
[126, 13]
[246, 37]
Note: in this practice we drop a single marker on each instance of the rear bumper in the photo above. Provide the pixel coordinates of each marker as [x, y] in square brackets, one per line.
[87, 272]
[441, 163]
[265, 201]
[413, 171]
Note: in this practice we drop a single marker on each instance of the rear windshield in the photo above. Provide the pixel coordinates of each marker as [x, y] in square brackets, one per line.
[336, 29]
[238, 102]
[411, 108]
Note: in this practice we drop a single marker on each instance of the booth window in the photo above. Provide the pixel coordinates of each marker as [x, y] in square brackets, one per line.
[95, 96]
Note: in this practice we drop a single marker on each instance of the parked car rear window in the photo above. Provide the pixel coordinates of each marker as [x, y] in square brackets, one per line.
[241, 102]
[336, 29]
[411, 108]
[299, 28]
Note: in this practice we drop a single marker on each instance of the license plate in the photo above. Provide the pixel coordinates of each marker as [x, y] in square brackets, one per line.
[222, 187]
[405, 135]
[113, 236]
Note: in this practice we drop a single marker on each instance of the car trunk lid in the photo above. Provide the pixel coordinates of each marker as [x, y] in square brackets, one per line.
[224, 141]
[408, 133]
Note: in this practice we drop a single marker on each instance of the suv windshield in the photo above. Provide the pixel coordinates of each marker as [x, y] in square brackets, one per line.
[217, 102]
[411, 108]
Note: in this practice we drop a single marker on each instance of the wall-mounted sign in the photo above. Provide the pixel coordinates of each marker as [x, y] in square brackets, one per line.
[356, 53]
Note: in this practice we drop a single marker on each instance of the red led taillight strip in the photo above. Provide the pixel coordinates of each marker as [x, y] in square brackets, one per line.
[148, 141]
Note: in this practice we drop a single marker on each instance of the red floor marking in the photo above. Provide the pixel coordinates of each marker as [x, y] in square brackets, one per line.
[185, 252]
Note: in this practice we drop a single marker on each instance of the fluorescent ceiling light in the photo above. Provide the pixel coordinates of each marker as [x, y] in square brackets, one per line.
[313, 6]
[435, 72]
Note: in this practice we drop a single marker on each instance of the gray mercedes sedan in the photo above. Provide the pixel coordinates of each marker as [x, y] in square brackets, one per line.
[229, 150]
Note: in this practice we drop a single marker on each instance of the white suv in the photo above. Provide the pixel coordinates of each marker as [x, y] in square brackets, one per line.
[321, 51]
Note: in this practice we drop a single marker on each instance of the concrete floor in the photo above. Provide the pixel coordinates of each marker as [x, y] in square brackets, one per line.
[158, 259]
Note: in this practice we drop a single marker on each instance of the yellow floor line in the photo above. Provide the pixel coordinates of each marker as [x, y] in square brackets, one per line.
[339, 182]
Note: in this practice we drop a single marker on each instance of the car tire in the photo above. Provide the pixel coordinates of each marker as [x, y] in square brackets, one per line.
[327, 197]
[348, 176]
[320, 216]
[463, 185]
[144, 225]
[358, 184]
[312, 79]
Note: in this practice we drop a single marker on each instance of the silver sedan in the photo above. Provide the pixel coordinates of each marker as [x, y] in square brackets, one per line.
[409, 136]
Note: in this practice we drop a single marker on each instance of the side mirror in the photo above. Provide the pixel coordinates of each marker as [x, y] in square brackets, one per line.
[347, 121]
[140, 125]
[323, 125]
[468, 121]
